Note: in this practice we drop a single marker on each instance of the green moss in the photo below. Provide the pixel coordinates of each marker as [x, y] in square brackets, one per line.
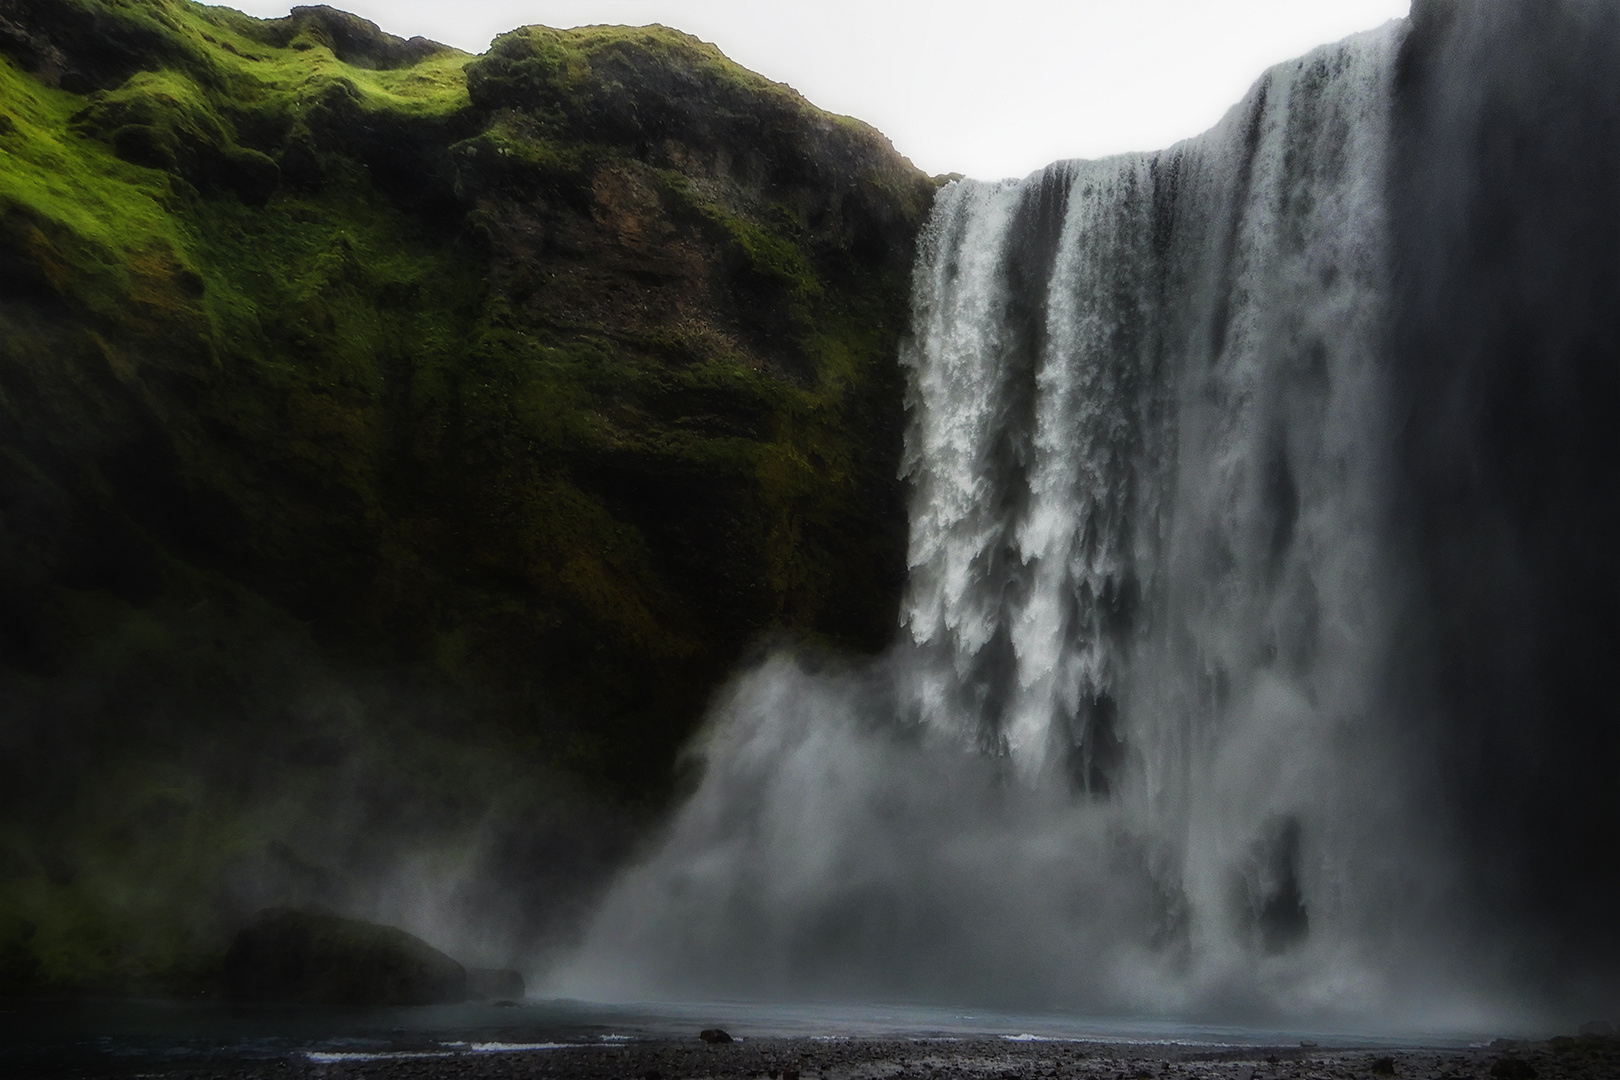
[72, 186]
[595, 72]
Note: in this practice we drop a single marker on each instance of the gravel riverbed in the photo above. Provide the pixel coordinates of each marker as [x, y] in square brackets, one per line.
[1586, 1058]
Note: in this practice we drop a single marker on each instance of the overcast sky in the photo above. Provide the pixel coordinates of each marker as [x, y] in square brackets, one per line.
[986, 88]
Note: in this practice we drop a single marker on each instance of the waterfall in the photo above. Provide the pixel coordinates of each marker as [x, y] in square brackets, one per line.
[1166, 723]
[1148, 515]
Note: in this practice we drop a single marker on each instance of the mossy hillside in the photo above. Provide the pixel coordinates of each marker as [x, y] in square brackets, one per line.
[490, 399]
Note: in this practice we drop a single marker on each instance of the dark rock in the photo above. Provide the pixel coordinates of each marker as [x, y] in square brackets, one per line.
[1275, 897]
[714, 1035]
[1384, 1066]
[494, 984]
[83, 47]
[1512, 1068]
[357, 41]
[320, 958]
[353, 40]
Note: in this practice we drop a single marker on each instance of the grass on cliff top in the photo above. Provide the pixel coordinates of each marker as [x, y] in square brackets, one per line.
[230, 51]
[71, 180]
[573, 50]
[94, 217]
[595, 60]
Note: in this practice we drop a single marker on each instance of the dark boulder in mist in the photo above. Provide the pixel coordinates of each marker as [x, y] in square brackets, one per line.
[715, 1035]
[318, 958]
[494, 984]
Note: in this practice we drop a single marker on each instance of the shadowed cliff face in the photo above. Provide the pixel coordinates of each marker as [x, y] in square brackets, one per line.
[397, 449]
[1506, 339]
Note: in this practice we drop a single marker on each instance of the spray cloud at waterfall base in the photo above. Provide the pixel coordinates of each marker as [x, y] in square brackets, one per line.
[1254, 657]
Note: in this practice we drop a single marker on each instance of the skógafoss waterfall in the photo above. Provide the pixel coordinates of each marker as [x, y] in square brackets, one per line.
[1263, 582]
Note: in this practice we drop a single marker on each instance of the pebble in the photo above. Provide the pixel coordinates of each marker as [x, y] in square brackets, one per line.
[977, 1058]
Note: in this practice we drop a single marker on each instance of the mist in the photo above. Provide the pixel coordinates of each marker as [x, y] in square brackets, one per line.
[832, 855]
[202, 761]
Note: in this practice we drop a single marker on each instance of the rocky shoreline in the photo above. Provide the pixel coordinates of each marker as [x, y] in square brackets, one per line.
[939, 1058]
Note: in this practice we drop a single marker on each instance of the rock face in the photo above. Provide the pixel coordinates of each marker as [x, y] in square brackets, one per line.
[322, 959]
[383, 427]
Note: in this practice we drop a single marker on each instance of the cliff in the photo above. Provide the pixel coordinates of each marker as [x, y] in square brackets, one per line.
[397, 447]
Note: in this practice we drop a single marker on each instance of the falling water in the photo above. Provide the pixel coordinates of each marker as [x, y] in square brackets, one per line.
[1152, 736]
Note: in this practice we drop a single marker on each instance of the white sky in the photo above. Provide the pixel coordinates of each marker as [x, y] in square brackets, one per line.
[986, 88]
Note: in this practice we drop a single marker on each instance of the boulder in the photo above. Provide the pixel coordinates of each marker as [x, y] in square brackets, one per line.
[318, 958]
[493, 984]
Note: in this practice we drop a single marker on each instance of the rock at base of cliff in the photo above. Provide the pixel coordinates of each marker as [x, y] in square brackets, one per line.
[317, 958]
[494, 984]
